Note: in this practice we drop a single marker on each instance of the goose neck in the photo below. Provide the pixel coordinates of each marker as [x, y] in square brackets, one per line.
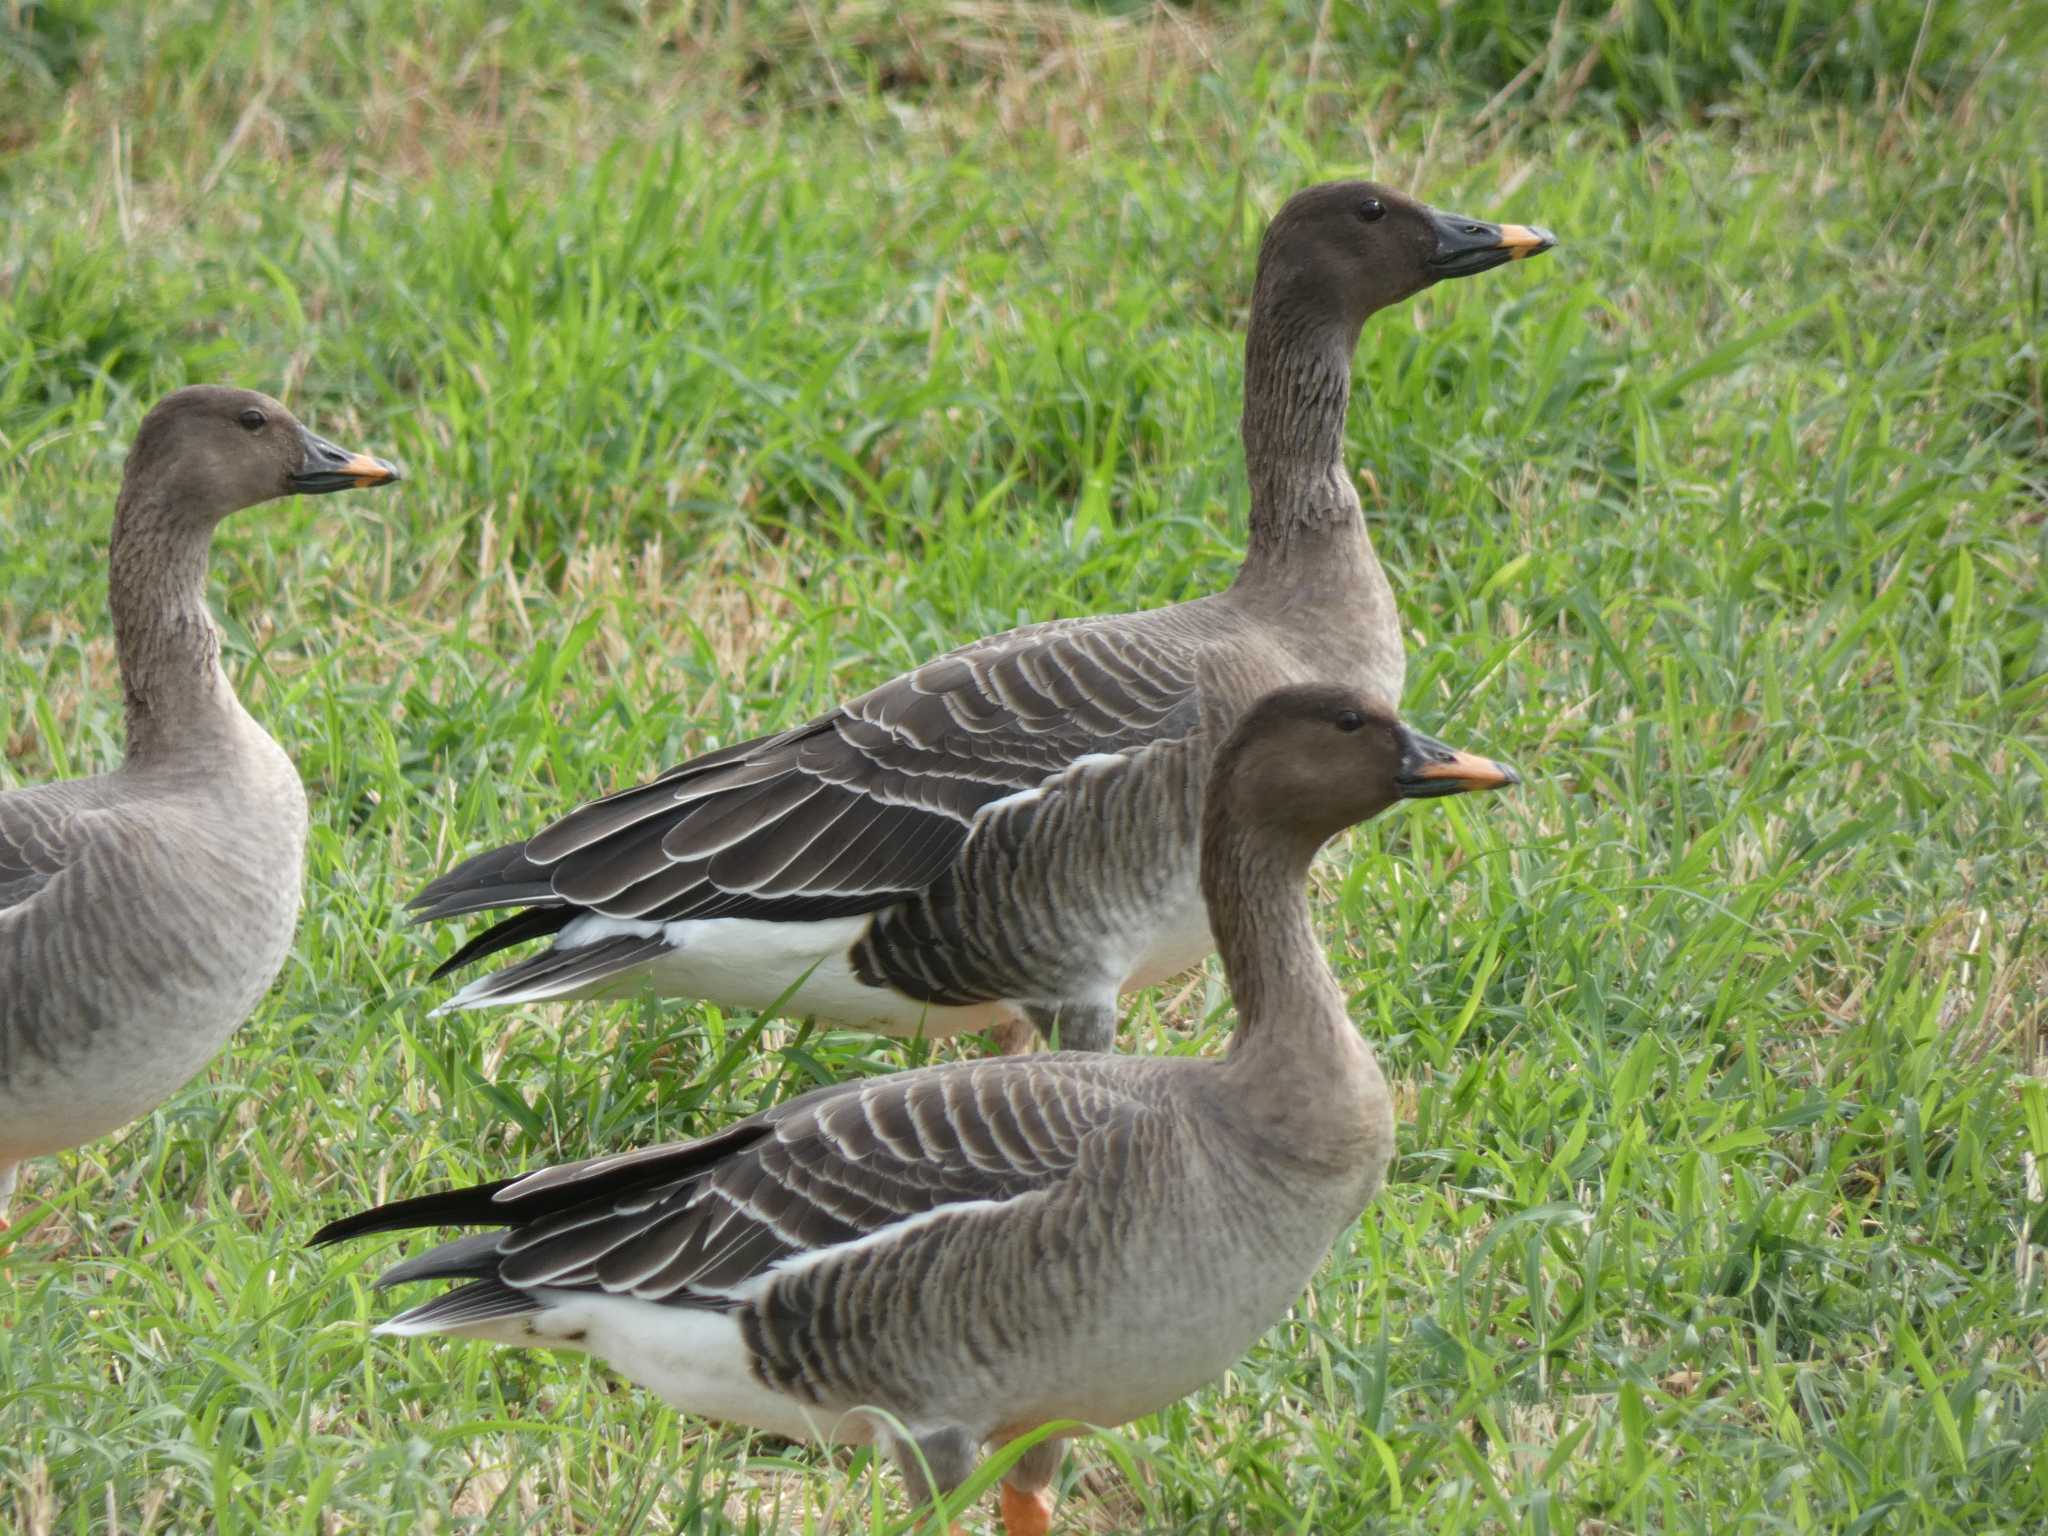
[1255, 880]
[173, 688]
[1299, 1093]
[1297, 393]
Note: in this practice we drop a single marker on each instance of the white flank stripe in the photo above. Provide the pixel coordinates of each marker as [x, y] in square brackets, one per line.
[797, 1263]
[1085, 763]
[1015, 797]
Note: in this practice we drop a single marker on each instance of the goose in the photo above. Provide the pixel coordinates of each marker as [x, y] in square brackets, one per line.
[940, 1259]
[1007, 833]
[144, 911]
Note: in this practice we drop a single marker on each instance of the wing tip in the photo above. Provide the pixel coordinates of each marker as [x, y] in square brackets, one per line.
[559, 974]
[465, 1309]
[403, 1326]
[342, 1228]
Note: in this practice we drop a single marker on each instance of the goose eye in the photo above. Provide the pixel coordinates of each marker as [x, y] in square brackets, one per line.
[1372, 210]
[1350, 720]
[252, 419]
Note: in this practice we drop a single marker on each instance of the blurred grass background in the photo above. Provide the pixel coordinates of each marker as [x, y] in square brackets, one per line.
[742, 355]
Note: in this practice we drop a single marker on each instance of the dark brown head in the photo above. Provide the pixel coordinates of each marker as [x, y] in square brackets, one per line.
[209, 450]
[1341, 250]
[1306, 762]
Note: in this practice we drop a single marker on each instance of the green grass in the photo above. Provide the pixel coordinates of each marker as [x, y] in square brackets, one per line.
[739, 360]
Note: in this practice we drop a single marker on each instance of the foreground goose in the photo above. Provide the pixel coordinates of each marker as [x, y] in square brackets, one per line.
[980, 1248]
[1009, 830]
[143, 912]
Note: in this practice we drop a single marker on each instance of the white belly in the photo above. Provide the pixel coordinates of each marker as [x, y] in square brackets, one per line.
[696, 1361]
[744, 962]
[805, 970]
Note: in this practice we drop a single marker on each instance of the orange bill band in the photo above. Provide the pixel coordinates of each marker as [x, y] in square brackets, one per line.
[1470, 770]
[366, 471]
[1525, 239]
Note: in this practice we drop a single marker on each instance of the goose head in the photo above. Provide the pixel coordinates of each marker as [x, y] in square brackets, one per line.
[209, 450]
[1343, 249]
[1306, 762]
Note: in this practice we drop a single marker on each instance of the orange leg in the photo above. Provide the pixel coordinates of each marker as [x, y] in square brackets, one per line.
[1026, 1514]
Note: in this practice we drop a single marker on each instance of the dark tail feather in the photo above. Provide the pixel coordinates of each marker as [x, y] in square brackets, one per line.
[483, 1302]
[484, 882]
[470, 1207]
[558, 972]
[547, 1192]
[474, 1257]
[533, 923]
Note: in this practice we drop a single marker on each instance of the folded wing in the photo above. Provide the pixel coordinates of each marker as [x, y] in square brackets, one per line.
[704, 1224]
[849, 812]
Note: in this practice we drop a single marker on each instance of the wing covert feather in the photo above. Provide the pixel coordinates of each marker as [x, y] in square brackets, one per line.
[832, 1168]
[42, 832]
[855, 810]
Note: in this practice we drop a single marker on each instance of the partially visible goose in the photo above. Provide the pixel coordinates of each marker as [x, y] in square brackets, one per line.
[980, 1248]
[143, 912]
[1009, 830]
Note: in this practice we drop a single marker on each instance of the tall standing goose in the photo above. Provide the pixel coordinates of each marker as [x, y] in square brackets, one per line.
[981, 1248]
[143, 912]
[1009, 830]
